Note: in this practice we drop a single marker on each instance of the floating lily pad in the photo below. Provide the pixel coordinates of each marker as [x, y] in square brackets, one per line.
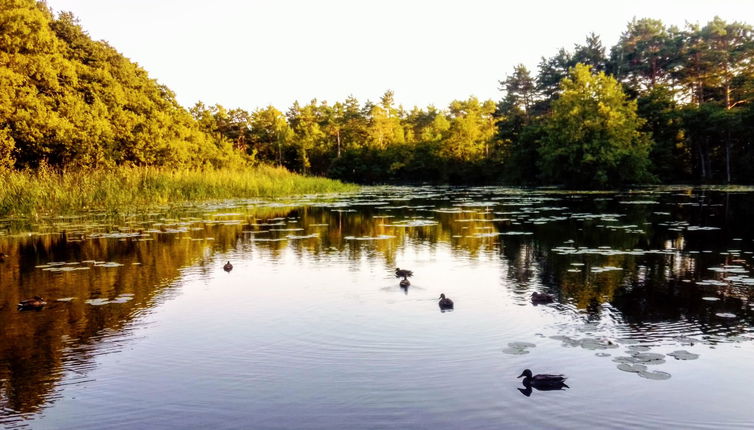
[603, 354]
[633, 368]
[684, 355]
[655, 375]
[725, 315]
[593, 344]
[97, 302]
[65, 299]
[567, 341]
[109, 264]
[711, 299]
[649, 357]
[521, 345]
[515, 351]
[638, 348]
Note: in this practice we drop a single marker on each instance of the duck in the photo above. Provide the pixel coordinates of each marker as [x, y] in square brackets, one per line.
[404, 283]
[543, 381]
[445, 303]
[228, 267]
[35, 303]
[541, 298]
[403, 273]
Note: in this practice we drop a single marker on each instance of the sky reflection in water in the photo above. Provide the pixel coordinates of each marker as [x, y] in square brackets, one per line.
[311, 329]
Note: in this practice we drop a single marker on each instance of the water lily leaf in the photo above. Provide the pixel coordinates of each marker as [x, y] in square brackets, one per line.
[515, 351]
[655, 375]
[633, 368]
[684, 355]
[725, 315]
[521, 345]
[97, 302]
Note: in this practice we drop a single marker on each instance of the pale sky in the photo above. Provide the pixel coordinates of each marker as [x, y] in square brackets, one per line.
[250, 53]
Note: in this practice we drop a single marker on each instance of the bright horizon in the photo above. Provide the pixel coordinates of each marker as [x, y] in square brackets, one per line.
[251, 54]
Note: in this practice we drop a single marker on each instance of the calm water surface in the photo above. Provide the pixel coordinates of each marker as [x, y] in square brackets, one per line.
[310, 330]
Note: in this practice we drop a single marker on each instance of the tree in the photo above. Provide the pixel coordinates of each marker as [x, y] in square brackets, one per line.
[592, 53]
[269, 134]
[519, 92]
[472, 128]
[551, 71]
[644, 55]
[593, 135]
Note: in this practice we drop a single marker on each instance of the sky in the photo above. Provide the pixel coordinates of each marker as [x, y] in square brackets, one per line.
[251, 53]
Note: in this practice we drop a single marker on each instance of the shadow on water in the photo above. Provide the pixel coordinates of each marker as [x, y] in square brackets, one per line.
[638, 259]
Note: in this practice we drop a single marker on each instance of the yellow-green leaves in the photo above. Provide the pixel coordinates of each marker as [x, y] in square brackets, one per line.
[592, 135]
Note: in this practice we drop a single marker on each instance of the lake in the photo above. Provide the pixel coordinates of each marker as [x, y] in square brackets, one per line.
[652, 318]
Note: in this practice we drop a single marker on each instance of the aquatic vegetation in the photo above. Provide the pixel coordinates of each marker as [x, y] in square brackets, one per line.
[47, 191]
[633, 368]
[655, 374]
[683, 355]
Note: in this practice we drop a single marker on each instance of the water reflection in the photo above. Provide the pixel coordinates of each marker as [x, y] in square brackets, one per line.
[648, 269]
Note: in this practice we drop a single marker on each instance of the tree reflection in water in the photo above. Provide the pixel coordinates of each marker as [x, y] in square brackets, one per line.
[646, 271]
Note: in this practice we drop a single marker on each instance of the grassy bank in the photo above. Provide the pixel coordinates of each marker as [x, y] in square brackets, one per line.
[46, 191]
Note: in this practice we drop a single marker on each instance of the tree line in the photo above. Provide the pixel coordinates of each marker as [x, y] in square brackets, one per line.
[664, 104]
[68, 101]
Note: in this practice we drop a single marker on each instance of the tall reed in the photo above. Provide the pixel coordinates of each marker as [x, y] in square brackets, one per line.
[51, 192]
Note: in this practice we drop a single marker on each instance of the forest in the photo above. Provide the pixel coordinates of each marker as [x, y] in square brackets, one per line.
[663, 105]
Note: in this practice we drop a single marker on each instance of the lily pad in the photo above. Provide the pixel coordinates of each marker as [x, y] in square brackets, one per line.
[515, 351]
[725, 315]
[593, 344]
[521, 345]
[97, 302]
[649, 357]
[683, 355]
[655, 375]
[638, 348]
[633, 368]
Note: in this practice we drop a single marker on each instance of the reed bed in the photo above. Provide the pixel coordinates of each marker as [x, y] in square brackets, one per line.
[46, 191]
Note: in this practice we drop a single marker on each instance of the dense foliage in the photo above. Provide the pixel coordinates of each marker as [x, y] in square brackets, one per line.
[663, 104]
[66, 100]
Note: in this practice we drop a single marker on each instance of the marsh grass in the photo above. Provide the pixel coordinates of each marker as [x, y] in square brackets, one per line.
[47, 191]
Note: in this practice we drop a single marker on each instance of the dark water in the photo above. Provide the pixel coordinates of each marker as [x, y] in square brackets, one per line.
[310, 330]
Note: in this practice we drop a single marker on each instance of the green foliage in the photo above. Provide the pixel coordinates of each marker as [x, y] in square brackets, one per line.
[593, 135]
[66, 100]
[670, 102]
[47, 192]
[671, 158]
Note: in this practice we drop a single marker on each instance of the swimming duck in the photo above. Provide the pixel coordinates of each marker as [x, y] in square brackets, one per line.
[445, 303]
[228, 267]
[541, 298]
[404, 283]
[403, 273]
[543, 381]
[35, 303]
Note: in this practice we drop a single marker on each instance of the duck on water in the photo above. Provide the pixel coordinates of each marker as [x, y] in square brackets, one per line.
[445, 303]
[403, 273]
[541, 298]
[541, 382]
[35, 303]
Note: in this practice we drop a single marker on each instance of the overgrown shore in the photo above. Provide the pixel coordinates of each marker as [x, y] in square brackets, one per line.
[47, 191]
